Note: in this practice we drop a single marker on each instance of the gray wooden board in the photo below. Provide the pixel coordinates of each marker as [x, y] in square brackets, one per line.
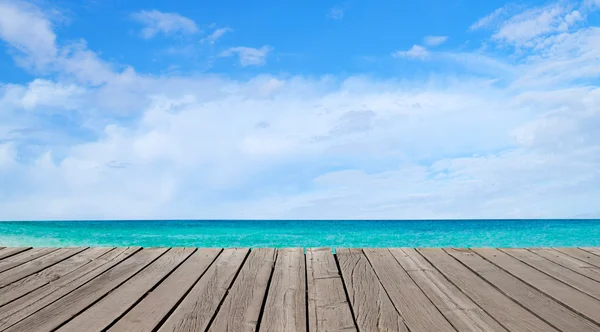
[67, 307]
[593, 250]
[285, 308]
[496, 304]
[50, 274]
[8, 252]
[200, 304]
[567, 295]
[537, 302]
[328, 307]
[372, 307]
[99, 316]
[582, 255]
[24, 257]
[148, 314]
[573, 264]
[463, 313]
[36, 265]
[240, 310]
[41, 297]
[567, 276]
[419, 313]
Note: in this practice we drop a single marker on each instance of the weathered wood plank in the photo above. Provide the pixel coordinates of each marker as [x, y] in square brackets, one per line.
[593, 250]
[559, 272]
[567, 295]
[106, 311]
[41, 297]
[24, 257]
[36, 265]
[148, 314]
[200, 305]
[569, 262]
[463, 313]
[7, 252]
[241, 308]
[372, 307]
[67, 307]
[328, 307]
[419, 313]
[581, 255]
[39, 279]
[498, 305]
[285, 309]
[537, 302]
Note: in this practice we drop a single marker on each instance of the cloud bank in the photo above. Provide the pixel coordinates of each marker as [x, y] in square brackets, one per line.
[511, 136]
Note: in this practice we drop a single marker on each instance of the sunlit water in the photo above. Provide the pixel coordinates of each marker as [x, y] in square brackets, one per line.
[280, 233]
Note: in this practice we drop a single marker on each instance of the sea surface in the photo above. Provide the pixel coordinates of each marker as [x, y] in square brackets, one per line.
[303, 233]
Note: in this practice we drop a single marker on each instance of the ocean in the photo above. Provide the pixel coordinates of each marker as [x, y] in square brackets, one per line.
[303, 233]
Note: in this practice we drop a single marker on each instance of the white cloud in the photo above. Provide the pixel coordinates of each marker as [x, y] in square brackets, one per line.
[156, 22]
[297, 147]
[490, 19]
[336, 13]
[216, 35]
[28, 30]
[417, 51]
[248, 56]
[434, 40]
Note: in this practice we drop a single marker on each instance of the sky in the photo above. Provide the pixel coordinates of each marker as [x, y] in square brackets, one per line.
[311, 109]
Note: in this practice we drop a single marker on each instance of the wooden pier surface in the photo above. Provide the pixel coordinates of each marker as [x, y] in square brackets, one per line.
[190, 289]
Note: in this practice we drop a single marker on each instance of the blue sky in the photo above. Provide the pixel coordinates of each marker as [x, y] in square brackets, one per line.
[380, 109]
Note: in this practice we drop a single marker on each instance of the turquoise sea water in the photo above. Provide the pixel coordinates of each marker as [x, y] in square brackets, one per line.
[302, 233]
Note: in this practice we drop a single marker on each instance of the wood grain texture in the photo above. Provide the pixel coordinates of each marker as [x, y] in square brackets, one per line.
[372, 307]
[565, 294]
[537, 302]
[575, 280]
[569, 262]
[148, 314]
[285, 309]
[24, 257]
[328, 307]
[103, 313]
[463, 313]
[41, 297]
[496, 304]
[241, 308]
[419, 313]
[36, 265]
[593, 250]
[50, 274]
[67, 307]
[200, 305]
[582, 255]
[7, 252]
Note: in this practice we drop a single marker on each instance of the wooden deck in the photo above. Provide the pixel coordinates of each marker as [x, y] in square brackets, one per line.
[189, 289]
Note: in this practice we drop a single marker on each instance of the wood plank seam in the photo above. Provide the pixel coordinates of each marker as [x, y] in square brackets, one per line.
[566, 265]
[501, 291]
[214, 315]
[264, 302]
[112, 290]
[590, 251]
[151, 289]
[391, 298]
[578, 258]
[2, 285]
[337, 263]
[162, 322]
[79, 277]
[539, 290]
[462, 291]
[595, 296]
